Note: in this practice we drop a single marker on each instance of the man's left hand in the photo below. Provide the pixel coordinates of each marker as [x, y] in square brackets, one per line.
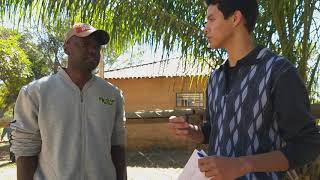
[222, 168]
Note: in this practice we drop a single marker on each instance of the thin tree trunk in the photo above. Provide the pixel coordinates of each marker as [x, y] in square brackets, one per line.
[313, 74]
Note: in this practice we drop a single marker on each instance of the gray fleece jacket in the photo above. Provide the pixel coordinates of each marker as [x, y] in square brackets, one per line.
[71, 131]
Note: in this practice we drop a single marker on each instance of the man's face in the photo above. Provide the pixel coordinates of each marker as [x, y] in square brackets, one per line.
[84, 53]
[217, 30]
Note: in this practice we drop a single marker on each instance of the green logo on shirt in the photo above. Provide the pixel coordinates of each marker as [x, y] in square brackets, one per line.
[106, 101]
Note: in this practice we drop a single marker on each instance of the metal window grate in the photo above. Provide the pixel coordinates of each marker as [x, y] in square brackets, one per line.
[189, 99]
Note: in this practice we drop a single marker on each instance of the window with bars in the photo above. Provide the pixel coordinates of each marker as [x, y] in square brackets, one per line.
[190, 100]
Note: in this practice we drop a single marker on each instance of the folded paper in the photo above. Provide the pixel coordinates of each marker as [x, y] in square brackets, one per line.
[191, 170]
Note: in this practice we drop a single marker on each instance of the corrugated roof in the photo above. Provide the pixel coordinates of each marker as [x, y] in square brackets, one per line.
[165, 68]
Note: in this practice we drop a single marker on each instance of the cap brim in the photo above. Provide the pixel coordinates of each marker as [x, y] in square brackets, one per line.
[101, 36]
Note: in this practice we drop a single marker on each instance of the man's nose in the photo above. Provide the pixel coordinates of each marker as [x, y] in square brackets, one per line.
[205, 30]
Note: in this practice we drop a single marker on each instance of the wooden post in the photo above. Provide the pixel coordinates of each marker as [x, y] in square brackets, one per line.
[101, 66]
[315, 110]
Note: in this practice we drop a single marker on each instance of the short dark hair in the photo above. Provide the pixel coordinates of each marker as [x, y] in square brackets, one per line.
[248, 8]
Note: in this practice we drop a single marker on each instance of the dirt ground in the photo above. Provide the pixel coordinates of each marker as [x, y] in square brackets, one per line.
[152, 164]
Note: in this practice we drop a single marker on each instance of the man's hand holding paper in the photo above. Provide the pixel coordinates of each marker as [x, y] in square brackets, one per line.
[191, 170]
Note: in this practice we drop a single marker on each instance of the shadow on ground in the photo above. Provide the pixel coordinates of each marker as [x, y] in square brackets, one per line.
[5, 164]
[4, 152]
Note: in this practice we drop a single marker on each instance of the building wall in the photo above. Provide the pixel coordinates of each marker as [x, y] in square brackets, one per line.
[157, 134]
[156, 93]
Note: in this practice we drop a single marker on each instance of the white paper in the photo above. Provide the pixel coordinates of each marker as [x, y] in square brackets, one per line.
[191, 170]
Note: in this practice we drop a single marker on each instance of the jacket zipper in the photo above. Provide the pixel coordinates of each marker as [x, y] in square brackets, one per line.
[82, 173]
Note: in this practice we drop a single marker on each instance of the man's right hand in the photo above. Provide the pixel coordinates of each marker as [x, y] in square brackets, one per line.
[182, 128]
[26, 167]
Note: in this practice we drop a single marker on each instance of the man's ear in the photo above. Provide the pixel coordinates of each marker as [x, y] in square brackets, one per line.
[237, 18]
[66, 48]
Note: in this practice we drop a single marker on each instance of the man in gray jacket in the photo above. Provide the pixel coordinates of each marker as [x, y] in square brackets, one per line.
[70, 125]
